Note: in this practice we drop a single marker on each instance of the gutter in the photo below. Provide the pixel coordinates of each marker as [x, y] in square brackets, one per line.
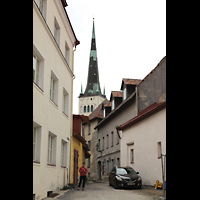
[71, 124]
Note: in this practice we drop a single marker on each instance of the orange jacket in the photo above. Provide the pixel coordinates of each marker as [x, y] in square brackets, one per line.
[83, 171]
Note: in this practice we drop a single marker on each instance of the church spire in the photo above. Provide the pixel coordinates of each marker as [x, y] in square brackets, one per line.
[93, 85]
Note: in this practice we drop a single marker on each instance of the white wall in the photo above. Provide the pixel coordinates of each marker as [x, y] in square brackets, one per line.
[45, 112]
[145, 135]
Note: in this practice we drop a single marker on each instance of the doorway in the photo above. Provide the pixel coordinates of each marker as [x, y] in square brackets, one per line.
[99, 170]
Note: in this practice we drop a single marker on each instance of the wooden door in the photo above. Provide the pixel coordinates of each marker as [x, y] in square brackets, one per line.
[75, 176]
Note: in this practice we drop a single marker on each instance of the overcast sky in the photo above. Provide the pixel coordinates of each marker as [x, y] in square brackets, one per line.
[130, 40]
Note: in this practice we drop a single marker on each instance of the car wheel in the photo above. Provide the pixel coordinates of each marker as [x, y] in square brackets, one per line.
[116, 184]
[139, 187]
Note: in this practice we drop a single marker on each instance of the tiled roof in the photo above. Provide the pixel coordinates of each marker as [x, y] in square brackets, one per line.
[97, 113]
[107, 103]
[150, 110]
[129, 81]
[117, 93]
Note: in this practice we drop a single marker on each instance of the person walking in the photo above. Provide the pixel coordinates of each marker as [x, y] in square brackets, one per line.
[83, 171]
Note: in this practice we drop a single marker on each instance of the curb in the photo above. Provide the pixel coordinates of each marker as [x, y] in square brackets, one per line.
[60, 192]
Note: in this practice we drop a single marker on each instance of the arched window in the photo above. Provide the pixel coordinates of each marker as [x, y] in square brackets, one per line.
[88, 108]
[84, 109]
[91, 108]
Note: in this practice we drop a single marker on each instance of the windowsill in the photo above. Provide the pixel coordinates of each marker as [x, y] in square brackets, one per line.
[159, 157]
[52, 165]
[36, 162]
[132, 162]
[56, 106]
[38, 87]
[63, 167]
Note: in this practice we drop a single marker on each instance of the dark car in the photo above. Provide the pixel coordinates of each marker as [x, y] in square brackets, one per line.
[125, 177]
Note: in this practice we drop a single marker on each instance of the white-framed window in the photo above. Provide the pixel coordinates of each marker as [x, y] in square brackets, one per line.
[124, 94]
[54, 88]
[65, 102]
[42, 4]
[52, 145]
[104, 113]
[64, 151]
[113, 104]
[56, 31]
[38, 68]
[37, 131]
[67, 53]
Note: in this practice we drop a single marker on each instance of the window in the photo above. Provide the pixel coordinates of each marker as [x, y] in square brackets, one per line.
[38, 70]
[54, 88]
[89, 145]
[103, 144]
[36, 142]
[67, 52]
[132, 156]
[88, 164]
[113, 104]
[91, 108]
[117, 139]
[42, 6]
[104, 112]
[99, 143]
[51, 157]
[118, 162]
[63, 153]
[124, 93]
[84, 109]
[65, 102]
[159, 149]
[56, 31]
[107, 141]
[88, 108]
[112, 139]
[89, 129]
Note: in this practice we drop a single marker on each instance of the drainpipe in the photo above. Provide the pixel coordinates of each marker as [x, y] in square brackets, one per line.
[71, 124]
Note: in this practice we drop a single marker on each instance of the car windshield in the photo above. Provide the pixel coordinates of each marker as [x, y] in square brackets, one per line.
[123, 171]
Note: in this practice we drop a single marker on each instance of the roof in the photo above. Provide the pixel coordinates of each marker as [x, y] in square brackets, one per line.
[150, 110]
[162, 60]
[116, 94]
[107, 103]
[64, 3]
[129, 81]
[97, 113]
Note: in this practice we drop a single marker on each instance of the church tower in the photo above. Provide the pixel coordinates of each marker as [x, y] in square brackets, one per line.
[92, 97]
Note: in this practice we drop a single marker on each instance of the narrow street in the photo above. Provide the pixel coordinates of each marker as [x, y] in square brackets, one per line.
[102, 191]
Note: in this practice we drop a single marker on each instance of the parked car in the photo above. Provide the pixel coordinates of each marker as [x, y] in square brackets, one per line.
[125, 177]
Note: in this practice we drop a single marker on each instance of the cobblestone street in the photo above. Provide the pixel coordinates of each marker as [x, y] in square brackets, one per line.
[102, 191]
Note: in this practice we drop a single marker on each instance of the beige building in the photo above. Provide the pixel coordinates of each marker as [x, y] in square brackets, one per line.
[141, 141]
[53, 53]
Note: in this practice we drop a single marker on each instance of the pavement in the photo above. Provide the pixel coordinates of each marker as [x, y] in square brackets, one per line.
[102, 191]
